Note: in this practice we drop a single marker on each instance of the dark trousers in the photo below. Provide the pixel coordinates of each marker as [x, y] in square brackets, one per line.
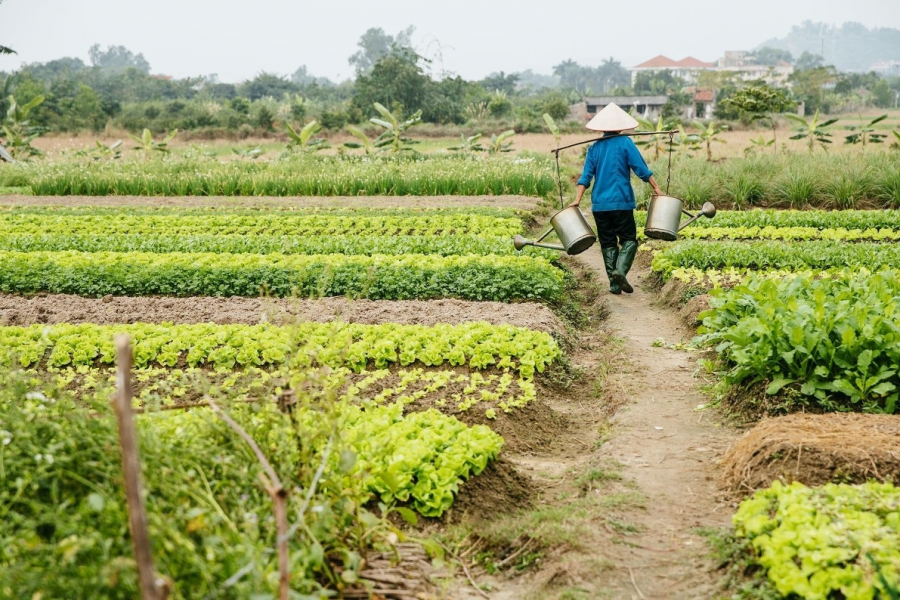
[615, 227]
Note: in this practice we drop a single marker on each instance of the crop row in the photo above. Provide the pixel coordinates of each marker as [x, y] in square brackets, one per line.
[204, 502]
[414, 276]
[823, 542]
[355, 346]
[261, 224]
[835, 343]
[813, 255]
[305, 176]
[160, 387]
[819, 219]
[365, 245]
[238, 208]
[790, 234]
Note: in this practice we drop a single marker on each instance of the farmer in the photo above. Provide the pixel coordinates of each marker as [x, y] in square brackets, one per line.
[609, 163]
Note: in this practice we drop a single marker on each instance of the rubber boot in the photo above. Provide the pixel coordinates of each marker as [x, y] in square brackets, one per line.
[623, 265]
[610, 255]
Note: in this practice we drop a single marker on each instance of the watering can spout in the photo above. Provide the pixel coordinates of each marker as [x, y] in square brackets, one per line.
[520, 242]
[708, 211]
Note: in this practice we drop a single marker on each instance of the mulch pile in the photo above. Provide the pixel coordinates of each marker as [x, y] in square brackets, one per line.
[814, 450]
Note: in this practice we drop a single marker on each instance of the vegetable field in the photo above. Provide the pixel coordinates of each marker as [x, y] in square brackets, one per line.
[369, 420]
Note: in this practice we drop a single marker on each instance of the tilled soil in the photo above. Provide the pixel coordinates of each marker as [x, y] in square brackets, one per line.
[519, 202]
[110, 310]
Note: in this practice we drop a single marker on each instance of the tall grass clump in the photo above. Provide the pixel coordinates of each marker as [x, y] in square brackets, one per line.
[795, 188]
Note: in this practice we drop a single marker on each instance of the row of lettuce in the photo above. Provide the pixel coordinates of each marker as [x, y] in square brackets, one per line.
[805, 316]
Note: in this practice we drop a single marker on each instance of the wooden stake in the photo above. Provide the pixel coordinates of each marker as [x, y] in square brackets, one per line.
[151, 587]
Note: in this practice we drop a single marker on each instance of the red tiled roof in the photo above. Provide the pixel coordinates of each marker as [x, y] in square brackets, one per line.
[704, 96]
[690, 61]
[657, 63]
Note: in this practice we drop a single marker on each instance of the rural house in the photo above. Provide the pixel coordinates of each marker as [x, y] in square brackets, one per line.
[648, 107]
[686, 68]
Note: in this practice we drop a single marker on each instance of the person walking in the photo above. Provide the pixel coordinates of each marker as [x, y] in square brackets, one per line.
[609, 164]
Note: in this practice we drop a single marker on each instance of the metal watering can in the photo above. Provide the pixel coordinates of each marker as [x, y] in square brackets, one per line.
[571, 228]
[664, 217]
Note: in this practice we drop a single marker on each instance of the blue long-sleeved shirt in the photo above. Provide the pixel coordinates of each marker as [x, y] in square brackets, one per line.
[610, 164]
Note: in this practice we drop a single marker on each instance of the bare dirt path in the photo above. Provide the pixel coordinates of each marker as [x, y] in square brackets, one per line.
[667, 448]
[631, 478]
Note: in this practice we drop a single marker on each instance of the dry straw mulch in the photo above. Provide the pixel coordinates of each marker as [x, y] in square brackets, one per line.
[814, 450]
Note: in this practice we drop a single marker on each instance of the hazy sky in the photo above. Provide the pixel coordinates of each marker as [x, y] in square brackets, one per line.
[238, 39]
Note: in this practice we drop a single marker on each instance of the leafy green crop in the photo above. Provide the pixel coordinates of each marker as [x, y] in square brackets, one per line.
[63, 505]
[818, 219]
[835, 341]
[355, 346]
[278, 224]
[363, 245]
[412, 276]
[817, 543]
[442, 387]
[798, 256]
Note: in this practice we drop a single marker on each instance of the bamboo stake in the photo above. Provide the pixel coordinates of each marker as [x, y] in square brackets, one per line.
[152, 588]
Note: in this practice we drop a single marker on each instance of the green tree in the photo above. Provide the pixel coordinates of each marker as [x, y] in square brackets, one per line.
[772, 56]
[395, 80]
[117, 59]
[501, 82]
[809, 86]
[882, 95]
[268, 85]
[808, 61]
[375, 44]
[87, 110]
[758, 102]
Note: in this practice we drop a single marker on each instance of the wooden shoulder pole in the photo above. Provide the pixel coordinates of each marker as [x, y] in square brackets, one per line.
[151, 587]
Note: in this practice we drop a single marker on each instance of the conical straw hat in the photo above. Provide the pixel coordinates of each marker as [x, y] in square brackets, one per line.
[612, 118]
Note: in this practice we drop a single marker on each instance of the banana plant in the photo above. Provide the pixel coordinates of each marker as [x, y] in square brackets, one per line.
[148, 145]
[500, 144]
[759, 143]
[394, 135]
[708, 135]
[812, 131]
[865, 132]
[553, 127]
[101, 151]
[19, 131]
[304, 140]
[365, 142]
[469, 144]
[251, 153]
[687, 142]
[656, 142]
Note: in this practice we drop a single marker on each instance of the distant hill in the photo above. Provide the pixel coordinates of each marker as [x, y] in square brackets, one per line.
[850, 47]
